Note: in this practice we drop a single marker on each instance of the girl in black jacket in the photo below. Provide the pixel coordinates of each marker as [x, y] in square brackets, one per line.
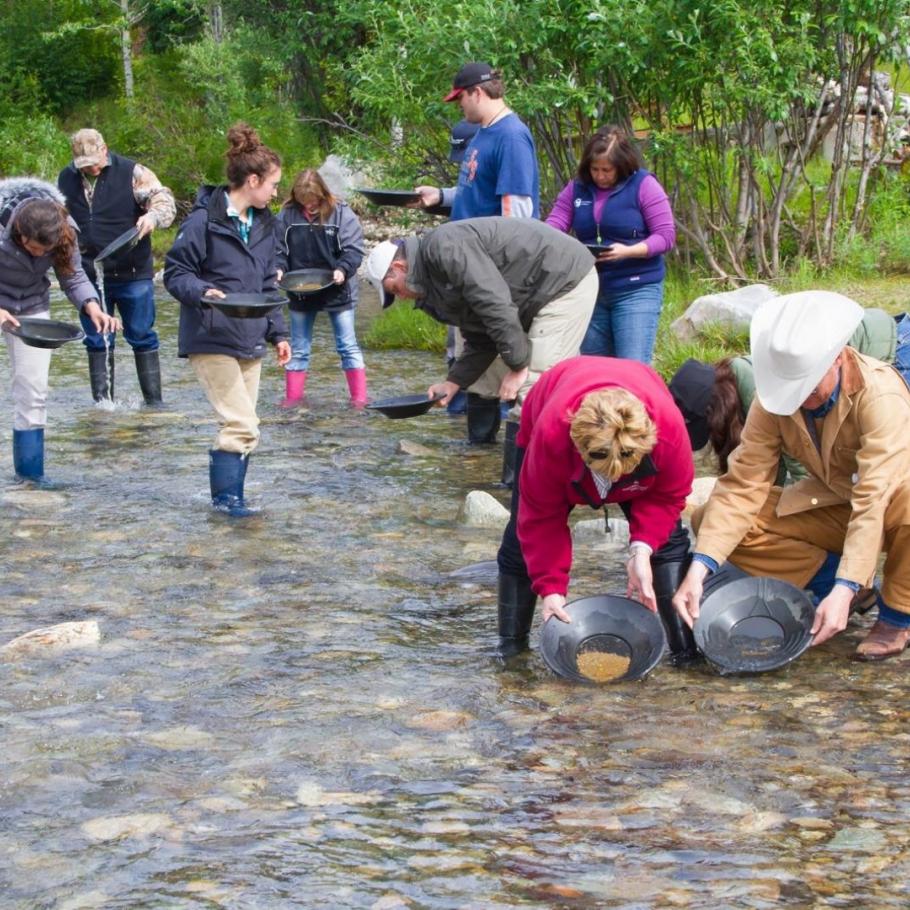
[227, 244]
[317, 231]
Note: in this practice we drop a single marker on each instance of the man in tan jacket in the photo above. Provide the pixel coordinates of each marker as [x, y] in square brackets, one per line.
[845, 416]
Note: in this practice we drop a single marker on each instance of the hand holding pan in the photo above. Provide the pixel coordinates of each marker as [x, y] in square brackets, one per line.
[127, 240]
[405, 405]
[306, 281]
[43, 333]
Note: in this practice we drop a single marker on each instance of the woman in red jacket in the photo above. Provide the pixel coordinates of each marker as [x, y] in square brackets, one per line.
[595, 430]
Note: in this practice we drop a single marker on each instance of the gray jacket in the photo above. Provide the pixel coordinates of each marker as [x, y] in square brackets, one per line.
[24, 285]
[491, 277]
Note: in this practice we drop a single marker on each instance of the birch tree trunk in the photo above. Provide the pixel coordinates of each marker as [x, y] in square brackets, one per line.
[126, 50]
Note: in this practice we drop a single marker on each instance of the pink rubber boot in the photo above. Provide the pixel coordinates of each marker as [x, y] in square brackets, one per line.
[294, 380]
[357, 385]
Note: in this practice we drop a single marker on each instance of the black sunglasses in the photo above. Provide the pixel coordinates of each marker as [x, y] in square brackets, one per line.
[601, 454]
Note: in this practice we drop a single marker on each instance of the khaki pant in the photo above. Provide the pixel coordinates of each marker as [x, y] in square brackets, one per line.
[794, 547]
[555, 335]
[232, 388]
[29, 368]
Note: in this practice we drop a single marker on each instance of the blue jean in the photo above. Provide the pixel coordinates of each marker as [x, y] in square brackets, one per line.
[135, 301]
[902, 352]
[624, 323]
[345, 339]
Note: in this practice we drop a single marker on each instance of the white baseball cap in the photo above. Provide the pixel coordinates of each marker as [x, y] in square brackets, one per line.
[378, 264]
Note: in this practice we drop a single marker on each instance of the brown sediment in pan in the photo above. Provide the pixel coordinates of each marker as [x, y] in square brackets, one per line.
[602, 666]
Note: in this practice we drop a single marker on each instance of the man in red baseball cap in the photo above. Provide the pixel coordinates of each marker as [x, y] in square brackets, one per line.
[498, 176]
[468, 76]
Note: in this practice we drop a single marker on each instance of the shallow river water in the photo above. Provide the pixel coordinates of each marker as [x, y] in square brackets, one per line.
[301, 709]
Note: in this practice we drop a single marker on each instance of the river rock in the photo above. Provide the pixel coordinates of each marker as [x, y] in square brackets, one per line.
[595, 529]
[481, 510]
[339, 176]
[32, 499]
[730, 308]
[864, 840]
[114, 827]
[52, 640]
[439, 721]
[176, 739]
[702, 487]
[407, 447]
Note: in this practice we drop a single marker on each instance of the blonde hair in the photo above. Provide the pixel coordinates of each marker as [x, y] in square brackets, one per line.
[612, 431]
[309, 183]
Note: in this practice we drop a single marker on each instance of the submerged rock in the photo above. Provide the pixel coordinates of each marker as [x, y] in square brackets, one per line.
[114, 827]
[51, 640]
[31, 499]
[481, 510]
[408, 447]
[859, 839]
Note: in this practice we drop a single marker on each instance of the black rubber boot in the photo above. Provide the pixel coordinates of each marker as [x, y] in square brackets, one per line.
[667, 577]
[483, 417]
[148, 370]
[101, 374]
[508, 454]
[516, 611]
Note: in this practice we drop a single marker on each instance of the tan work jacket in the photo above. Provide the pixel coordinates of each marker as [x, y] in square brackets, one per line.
[863, 457]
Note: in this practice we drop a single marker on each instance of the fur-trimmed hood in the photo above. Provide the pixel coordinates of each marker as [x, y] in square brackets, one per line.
[15, 190]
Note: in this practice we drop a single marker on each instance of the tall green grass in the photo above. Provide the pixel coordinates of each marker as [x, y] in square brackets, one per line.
[401, 326]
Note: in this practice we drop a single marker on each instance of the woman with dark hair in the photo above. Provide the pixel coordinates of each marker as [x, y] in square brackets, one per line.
[37, 235]
[317, 231]
[615, 203]
[227, 244]
[714, 400]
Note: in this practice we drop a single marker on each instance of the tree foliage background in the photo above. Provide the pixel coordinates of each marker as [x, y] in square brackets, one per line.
[732, 99]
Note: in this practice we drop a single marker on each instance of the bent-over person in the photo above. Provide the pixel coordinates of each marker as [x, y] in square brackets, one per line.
[844, 416]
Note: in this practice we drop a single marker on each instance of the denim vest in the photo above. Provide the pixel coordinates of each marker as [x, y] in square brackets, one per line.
[621, 221]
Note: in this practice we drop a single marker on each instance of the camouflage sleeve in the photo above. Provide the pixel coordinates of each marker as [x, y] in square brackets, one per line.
[156, 199]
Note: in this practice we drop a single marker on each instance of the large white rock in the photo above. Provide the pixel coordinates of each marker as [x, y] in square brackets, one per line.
[730, 308]
[52, 640]
[339, 177]
[481, 510]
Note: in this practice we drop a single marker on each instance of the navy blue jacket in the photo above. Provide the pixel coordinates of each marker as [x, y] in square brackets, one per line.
[209, 253]
[621, 221]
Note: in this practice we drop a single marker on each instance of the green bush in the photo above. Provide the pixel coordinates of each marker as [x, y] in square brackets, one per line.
[31, 143]
[402, 326]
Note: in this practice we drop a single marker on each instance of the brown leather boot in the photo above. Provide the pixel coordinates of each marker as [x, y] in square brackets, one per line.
[882, 642]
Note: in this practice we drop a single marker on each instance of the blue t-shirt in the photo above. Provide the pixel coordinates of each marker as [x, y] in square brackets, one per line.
[500, 161]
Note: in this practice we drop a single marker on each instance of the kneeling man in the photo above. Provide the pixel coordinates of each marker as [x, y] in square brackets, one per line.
[845, 417]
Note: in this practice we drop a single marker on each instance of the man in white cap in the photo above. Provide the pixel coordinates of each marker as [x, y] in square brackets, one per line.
[844, 416]
[520, 291]
[108, 195]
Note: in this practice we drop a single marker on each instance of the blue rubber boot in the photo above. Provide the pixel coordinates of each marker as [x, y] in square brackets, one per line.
[227, 472]
[28, 455]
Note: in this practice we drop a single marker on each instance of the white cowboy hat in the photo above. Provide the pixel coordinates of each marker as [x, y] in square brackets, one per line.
[795, 339]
